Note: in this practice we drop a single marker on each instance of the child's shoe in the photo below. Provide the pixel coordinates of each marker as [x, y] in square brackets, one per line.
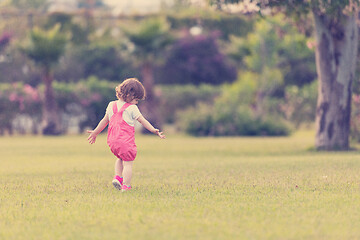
[125, 188]
[117, 182]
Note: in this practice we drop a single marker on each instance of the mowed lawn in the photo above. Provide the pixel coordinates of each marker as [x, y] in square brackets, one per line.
[183, 188]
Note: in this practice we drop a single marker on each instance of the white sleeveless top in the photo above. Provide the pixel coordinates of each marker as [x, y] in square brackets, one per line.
[130, 115]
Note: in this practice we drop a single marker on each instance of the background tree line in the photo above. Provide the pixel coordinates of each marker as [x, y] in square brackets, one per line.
[207, 72]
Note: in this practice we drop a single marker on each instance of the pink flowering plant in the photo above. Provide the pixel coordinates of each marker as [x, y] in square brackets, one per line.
[17, 98]
[92, 95]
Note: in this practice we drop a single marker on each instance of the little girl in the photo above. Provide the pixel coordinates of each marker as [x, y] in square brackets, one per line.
[121, 116]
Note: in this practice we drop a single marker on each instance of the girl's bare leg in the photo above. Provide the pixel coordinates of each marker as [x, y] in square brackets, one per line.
[119, 167]
[127, 172]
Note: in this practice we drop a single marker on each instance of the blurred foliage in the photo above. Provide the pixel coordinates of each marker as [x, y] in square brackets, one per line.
[15, 67]
[209, 21]
[299, 8]
[92, 95]
[355, 118]
[231, 114]
[260, 59]
[4, 41]
[79, 33]
[196, 60]
[220, 120]
[276, 43]
[299, 104]
[199, 110]
[273, 56]
[252, 105]
[45, 47]
[104, 62]
[149, 37]
[18, 98]
[174, 98]
[275, 66]
[29, 4]
[90, 4]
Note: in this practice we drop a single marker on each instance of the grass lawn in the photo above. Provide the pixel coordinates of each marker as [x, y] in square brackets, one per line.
[183, 188]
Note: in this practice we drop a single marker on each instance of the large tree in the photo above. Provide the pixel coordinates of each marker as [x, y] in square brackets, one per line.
[336, 53]
[45, 48]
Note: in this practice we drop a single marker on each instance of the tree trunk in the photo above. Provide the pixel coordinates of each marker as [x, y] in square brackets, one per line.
[336, 53]
[259, 110]
[149, 107]
[51, 124]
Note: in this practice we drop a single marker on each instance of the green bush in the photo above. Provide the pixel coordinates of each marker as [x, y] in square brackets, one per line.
[198, 124]
[299, 104]
[232, 113]
[208, 120]
[179, 97]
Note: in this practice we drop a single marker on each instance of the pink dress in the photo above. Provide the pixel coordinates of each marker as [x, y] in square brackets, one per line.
[121, 136]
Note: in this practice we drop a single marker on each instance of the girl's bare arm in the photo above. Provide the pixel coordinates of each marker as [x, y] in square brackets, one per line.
[150, 127]
[93, 133]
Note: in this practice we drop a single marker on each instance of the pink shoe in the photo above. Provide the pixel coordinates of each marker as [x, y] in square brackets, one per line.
[125, 188]
[117, 182]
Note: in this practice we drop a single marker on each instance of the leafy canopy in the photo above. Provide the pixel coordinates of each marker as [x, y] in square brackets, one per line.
[28, 4]
[150, 36]
[298, 7]
[46, 47]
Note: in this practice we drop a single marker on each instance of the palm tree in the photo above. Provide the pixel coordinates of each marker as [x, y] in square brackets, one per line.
[45, 48]
[149, 38]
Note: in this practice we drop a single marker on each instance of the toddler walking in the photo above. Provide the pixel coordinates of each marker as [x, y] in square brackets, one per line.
[121, 116]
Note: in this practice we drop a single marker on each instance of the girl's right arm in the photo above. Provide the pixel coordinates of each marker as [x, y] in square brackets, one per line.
[93, 133]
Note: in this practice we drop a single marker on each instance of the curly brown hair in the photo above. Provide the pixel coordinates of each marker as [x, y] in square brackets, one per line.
[130, 89]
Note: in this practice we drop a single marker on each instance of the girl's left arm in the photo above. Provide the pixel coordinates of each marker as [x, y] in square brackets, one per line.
[150, 127]
[93, 133]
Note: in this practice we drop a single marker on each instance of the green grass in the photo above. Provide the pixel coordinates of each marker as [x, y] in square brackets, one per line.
[183, 188]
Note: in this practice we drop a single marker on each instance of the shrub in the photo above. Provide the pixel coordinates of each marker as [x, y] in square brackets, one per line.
[196, 121]
[208, 120]
[232, 113]
[299, 104]
[92, 95]
[86, 99]
[179, 97]
[18, 98]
